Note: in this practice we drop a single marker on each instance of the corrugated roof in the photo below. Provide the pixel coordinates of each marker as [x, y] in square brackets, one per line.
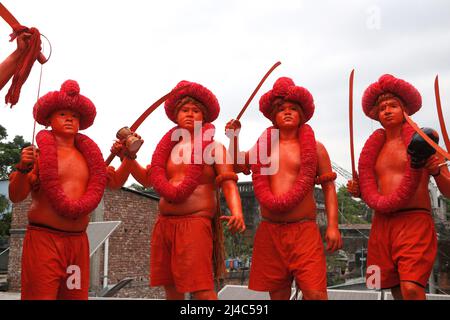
[355, 226]
[147, 195]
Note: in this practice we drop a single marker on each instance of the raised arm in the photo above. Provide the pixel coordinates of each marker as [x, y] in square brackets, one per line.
[241, 161]
[19, 181]
[117, 178]
[9, 65]
[325, 173]
[227, 180]
[141, 174]
[129, 165]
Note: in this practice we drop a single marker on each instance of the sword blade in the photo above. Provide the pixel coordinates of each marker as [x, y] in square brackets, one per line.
[143, 116]
[257, 88]
[8, 17]
[350, 115]
[440, 115]
[153, 107]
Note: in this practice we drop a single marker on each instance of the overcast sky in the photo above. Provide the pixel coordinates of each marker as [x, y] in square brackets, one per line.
[126, 54]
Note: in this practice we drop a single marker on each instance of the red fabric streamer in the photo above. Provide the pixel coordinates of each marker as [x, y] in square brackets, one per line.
[48, 176]
[367, 179]
[25, 63]
[158, 175]
[305, 177]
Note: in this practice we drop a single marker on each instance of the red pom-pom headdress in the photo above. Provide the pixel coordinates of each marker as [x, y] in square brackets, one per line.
[388, 84]
[199, 93]
[68, 97]
[286, 89]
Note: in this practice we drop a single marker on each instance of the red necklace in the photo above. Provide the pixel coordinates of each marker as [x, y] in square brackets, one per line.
[158, 173]
[305, 177]
[367, 179]
[48, 175]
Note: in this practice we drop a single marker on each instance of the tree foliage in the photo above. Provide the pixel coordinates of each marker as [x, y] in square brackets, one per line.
[352, 211]
[5, 216]
[9, 152]
[235, 244]
[9, 156]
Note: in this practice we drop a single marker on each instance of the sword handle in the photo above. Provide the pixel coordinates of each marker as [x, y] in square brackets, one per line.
[109, 159]
[42, 59]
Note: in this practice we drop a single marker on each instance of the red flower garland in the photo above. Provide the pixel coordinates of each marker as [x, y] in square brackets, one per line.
[48, 175]
[305, 177]
[367, 180]
[158, 175]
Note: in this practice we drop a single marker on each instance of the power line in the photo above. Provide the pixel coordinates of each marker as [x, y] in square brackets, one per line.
[344, 173]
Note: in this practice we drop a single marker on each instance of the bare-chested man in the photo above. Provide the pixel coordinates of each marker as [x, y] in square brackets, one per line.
[288, 244]
[66, 177]
[402, 244]
[182, 240]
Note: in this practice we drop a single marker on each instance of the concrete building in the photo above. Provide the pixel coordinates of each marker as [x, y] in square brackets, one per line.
[4, 189]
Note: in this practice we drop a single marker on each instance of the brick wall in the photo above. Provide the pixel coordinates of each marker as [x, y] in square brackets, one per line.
[129, 245]
[19, 222]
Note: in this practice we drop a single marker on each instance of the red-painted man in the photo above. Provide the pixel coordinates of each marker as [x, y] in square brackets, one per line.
[187, 168]
[66, 177]
[288, 245]
[394, 171]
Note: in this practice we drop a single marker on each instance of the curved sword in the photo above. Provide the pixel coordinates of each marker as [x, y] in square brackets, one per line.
[235, 139]
[350, 115]
[144, 116]
[257, 88]
[440, 115]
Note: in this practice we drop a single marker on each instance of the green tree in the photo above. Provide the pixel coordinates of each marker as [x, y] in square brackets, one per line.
[352, 211]
[447, 203]
[4, 204]
[5, 217]
[235, 244]
[9, 156]
[9, 152]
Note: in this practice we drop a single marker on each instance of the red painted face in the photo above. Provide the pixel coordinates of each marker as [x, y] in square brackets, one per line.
[288, 115]
[66, 122]
[390, 113]
[187, 114]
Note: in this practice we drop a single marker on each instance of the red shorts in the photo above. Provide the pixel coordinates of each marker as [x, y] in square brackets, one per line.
[286, 251]
[181, 253]
[55, 265]
[403, 246]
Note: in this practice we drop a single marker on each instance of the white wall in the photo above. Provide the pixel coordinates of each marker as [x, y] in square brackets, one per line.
[4, 188]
